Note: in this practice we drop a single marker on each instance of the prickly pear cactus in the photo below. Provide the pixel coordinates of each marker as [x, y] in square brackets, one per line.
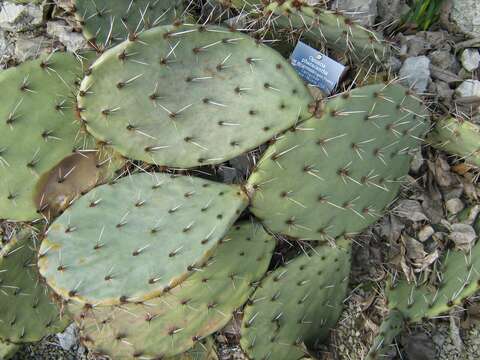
[458, 279]
[175, 321]
[391, 326]
[191, 95]
[328, 27]
[297, 304]
[460, 138]
[129, 241]
[27, 311]
[106, 22]
[38, 130]
[334, 175]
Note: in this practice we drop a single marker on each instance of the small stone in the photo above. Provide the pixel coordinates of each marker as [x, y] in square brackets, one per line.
[29, 48]
[389, 10]
[68, 339]
[20, 17]
[6, 49]
[466, 15]
[443, 91]
[73, 41]
[363, 12]
[470, 59]
[454, 206]
[420, 346]
[394, 64]
[415, 73]
[417, 162]
[410, 209]
[413, 45]
[445, 60]
[463, 236]
[415, 250]
[468, 88]
[425, 233]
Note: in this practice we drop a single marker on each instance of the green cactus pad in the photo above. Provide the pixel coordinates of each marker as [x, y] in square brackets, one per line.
[459, 278]
[460, 138]
[327, 27]
[391, 326]
[39, 129]
[202, 304]
[334, 175]
[27, 313]
[297, 304]
[8, 350]
[191, 95]
[132, 240]
[106, 22]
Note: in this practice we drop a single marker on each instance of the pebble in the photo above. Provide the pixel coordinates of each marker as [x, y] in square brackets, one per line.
[463, 236]
[469, 88]
[363, 12]
[470, 59]
[425, 233]
[415, 73]
[27, 47]
[454, 206]
[73, 41]
[20, 17]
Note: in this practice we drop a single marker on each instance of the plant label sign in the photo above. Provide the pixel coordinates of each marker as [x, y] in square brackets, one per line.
[316, 68]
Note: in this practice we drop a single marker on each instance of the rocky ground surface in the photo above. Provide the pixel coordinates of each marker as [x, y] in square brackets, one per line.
[438, 203]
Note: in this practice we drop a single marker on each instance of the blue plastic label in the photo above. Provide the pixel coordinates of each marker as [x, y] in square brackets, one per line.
[316, 68]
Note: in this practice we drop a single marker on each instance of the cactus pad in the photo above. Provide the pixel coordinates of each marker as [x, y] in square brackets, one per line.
[458, 279]
[391, 326]
[297, 304]
[202, 304]
[334, 175]
[328, 27]
[461, 138]
[106, 22]
[131, 240]
[26, 311]
[191, 95]
[39, 129]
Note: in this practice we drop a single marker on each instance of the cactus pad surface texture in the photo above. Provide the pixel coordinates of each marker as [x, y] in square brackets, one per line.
[297, 304]
[202, 304]
[107, 22]
[334, 175]
[39, 128]
[191, 95]
[131, 240]
[27, 311]
[331, 28]
[459, 278]
[461, 138]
